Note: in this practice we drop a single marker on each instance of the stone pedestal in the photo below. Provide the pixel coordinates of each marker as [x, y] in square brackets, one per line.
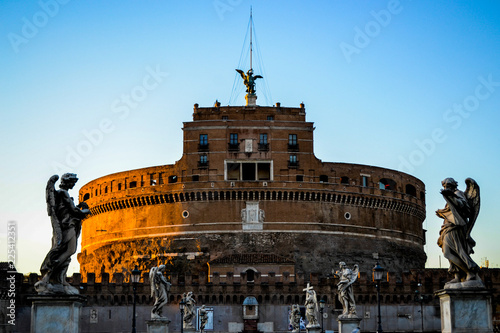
[56, 313]
[346, 325]
[251, 99]
[313, 329]
[159, 325]
[189, 330]
[465, 310]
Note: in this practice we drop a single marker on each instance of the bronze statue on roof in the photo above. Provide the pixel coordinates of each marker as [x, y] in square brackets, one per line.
[249, 80]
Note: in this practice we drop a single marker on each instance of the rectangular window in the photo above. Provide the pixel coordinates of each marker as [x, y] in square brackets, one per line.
[225, 117]
[263, 138]
[203, 162]
[264, 171]
[233, 138]
[203, 143]
[270, 117]
[292, 142]
[234, 145]
[248, 171]
[263, 145]
[233, 171]
[203, 139]
[364, 181]
[292, 161]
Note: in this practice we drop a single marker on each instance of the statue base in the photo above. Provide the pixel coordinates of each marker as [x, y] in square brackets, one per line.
[189, 330]
[251, 99]
[56, 313]
[348, 324]
[315, 329]
[465, 310]
[158, 325]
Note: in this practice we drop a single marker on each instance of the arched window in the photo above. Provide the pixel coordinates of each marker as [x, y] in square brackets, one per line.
[250, 275]
[86, 196]
[387, 184]
[411, 190]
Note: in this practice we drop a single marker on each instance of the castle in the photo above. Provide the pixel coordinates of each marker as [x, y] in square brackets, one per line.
[245, 219]
[247, 185]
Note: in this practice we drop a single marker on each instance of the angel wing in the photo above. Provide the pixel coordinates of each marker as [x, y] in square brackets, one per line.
[50, 197]
[50, 194]
[241, 73]
[152, 276]
[472, 195]
[354, 274]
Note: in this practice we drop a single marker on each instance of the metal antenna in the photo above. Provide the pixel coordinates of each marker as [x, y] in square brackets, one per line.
[251, 28]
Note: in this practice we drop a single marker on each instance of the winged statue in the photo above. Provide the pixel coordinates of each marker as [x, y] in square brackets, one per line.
[311, 305]
[295, 317]
[347, 277]
[459, 217]
[66, 220]
[189, 310]
[159, 290]
[249, 80]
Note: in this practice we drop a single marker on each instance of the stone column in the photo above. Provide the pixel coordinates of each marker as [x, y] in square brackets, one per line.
[346, 324]
[465, 310]
[159, 325]
[56, 313]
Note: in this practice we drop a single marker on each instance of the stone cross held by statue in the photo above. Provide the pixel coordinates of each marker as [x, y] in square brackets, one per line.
[309, 287]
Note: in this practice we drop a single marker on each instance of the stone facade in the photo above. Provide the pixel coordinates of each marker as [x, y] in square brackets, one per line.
[249, 182]
[109, 302]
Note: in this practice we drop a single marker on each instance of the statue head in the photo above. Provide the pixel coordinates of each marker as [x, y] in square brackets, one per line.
[449, 183]
[342, 264]
[68, 180]
[161, 268]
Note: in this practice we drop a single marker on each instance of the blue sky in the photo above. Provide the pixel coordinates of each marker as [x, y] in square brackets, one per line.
[407, 85]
